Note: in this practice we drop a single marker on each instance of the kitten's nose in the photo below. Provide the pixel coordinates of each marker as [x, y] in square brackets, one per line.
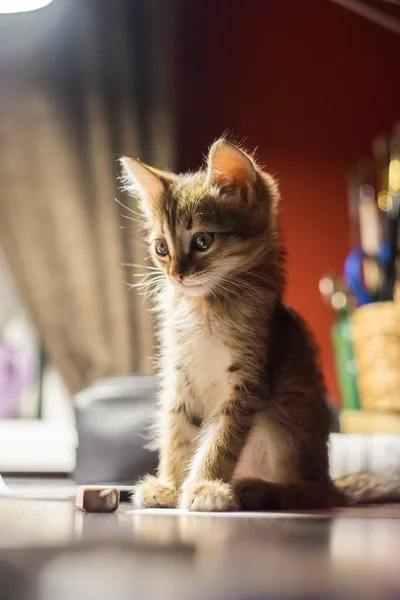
[177, 276]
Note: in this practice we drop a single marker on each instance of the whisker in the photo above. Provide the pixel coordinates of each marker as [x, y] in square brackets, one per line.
[145, 284]
[141, 266]
[150, 293]
[245, 287]
[127, 208]
[150, 290]
[148, 274]
[144, 275]
[127, 217]
[235, 282]
[217, 284]
[251, 274]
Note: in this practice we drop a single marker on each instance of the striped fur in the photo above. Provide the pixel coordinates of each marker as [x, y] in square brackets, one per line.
[243, 420]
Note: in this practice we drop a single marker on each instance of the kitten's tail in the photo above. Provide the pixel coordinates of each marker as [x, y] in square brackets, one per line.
[367, 488]
[360, 488]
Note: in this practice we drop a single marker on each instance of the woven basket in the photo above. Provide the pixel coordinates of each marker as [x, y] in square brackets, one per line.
[376, 339]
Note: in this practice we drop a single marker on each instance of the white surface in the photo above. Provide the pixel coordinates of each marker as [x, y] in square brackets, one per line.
[33, 490]
[41, 446]
[351, 453]
[3, 488]
[15, 6]
[57, 403]
[36, 446]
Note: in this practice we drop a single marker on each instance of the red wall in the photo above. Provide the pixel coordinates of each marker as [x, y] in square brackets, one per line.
[310, 84]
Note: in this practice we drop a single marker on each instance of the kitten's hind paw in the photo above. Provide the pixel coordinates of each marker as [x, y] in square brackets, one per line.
[151, 492]
[208, 496]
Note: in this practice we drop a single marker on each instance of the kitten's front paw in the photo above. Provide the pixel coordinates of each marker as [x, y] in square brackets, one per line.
[208, 496]
[154, 493]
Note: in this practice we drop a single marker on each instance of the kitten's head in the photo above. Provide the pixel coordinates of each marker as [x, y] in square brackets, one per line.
[206, 228]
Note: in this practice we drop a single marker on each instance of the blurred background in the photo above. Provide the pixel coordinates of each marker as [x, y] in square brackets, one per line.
[309, 84]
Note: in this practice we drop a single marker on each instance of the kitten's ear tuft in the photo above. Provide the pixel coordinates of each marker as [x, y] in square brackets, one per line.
[142, 182]
[227, 164]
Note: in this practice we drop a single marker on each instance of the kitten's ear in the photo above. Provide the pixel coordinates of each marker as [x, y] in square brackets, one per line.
[143, 182]
[227, 165]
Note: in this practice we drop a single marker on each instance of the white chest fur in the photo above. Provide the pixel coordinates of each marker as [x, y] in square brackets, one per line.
[206, 359]
[209, 370]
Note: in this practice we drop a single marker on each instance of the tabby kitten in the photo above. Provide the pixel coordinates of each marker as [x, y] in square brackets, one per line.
[243, 421]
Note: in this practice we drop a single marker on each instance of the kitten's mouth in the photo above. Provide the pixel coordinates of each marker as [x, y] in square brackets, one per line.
[192, 288]
[193, 284]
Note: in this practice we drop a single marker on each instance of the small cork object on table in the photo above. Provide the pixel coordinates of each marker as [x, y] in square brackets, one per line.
[97, 499]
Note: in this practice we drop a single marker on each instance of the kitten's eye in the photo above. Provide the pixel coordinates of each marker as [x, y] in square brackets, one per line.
[202, 241]
[161, 248]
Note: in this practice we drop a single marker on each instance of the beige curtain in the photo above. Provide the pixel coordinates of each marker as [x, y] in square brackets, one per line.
[65, 238]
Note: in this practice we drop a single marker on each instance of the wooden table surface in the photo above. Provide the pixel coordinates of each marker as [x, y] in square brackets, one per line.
[50, 551]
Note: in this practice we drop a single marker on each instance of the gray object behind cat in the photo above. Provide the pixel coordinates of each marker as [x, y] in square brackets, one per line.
[113, 416]
[112, 419]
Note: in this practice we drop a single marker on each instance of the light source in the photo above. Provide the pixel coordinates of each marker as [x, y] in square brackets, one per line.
[16, 6]
[374, 12]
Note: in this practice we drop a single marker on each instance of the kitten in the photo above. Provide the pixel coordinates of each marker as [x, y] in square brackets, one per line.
[243, 421]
